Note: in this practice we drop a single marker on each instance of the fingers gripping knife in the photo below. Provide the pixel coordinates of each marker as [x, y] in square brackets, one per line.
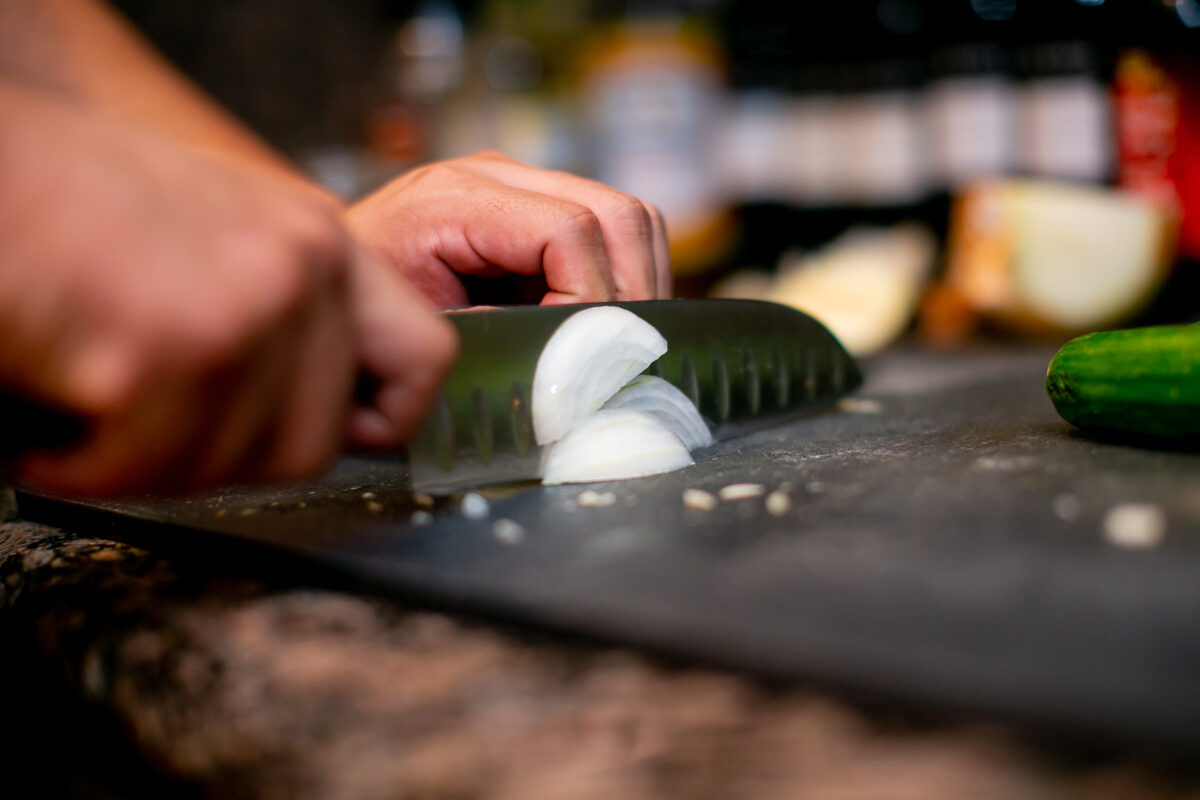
[745, 364]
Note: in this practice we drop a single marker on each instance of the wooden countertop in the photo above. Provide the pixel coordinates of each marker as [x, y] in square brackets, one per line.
[128, 674]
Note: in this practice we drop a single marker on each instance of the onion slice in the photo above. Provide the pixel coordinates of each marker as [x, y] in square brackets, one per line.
[661, 400]
[612, 445]
[592, 355]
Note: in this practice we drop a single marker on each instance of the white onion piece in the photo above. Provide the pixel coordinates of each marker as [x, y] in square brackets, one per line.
[668, 405]
[592, 354]
[613, 445]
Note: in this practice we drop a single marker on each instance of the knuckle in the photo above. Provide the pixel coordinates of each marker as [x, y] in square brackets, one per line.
[631, 215]
[434, 177]
[415, 177]
[105, 382]
[582, 222]
[493, 155]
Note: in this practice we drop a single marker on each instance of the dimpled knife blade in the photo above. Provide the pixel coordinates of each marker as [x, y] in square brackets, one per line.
[746, 364]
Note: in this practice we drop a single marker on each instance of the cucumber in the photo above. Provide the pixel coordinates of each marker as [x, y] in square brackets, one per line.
[1142, 381]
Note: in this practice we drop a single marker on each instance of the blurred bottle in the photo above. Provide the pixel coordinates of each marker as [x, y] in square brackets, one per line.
[1065, 115]
[422, 66]
[881, 157]
[1156, 88]
[971, 98]
[1147, 110]
[653, 94]
[827, 130]
[517, 94]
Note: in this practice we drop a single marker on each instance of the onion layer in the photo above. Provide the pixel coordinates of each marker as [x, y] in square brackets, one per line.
[658, 398]
[592, 355]
[613, 445]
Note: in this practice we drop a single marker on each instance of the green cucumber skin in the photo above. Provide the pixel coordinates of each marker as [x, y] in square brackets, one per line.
[1141, 381]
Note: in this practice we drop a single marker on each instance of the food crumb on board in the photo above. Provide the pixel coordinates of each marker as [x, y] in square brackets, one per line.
[248, 512]
[860, 405]
[778, 503]
[421, 518]
[374, 506]
[589, 498]
[741, 491]
[367, 495]
[1135, 526]
[1067, 507]
[699, 499]
[508, 531]
[423, 500]
[474, 506]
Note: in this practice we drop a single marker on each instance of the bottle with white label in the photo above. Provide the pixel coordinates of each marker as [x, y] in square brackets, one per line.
[1065, 128]
[653, 92]
[879, 151]
[971, 114]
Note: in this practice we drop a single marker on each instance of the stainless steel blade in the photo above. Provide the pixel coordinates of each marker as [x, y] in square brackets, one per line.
[746, 364]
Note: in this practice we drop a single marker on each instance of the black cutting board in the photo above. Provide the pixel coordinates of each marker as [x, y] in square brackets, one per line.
[945, 545]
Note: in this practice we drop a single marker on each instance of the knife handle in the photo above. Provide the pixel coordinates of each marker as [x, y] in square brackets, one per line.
[25, 425]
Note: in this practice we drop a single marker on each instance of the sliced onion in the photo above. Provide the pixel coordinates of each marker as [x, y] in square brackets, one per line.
[592, 354]
[668, 405]
[613, 445]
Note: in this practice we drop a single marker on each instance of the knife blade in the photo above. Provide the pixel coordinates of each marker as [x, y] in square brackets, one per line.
[746, 364]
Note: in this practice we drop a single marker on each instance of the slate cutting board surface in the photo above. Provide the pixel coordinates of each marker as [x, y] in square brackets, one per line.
[945, 544]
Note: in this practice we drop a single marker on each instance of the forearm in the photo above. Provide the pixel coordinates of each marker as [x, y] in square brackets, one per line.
[83, 48]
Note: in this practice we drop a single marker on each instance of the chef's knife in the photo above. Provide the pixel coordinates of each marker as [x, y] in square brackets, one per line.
[746, 365]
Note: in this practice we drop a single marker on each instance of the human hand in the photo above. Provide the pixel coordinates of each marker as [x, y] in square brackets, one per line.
[488, 215]
[206, 321]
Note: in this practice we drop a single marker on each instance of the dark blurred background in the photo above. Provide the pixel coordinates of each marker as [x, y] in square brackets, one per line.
[766, 132]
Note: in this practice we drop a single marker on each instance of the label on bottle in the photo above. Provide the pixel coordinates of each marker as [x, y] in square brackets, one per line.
[1147, 106]
[653, 106]
[878, 148]
[1066, 129]
[972, 128]
[654, 126]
